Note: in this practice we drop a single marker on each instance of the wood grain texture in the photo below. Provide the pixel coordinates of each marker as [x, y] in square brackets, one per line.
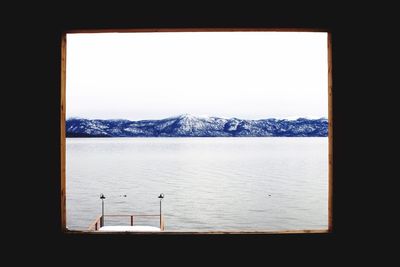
[232, 232]
[330, 135]
[128, 30]
[62, 131]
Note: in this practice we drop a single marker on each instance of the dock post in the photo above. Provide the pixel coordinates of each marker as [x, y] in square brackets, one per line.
[161, 196]
[102, 197]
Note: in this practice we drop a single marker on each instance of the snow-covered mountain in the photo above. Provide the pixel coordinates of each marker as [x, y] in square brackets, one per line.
[192, 126]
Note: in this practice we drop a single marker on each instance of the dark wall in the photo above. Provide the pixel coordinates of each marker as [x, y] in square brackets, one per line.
[39, 40]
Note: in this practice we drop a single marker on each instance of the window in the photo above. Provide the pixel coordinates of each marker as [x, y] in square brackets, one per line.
[200, 130]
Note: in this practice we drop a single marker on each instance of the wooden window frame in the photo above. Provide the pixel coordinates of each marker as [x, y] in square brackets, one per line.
[64, 228]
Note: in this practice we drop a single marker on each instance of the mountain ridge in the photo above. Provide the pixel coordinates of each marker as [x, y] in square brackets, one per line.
[187, 125]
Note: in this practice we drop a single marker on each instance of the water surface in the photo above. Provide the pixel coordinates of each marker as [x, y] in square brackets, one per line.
[256, 183]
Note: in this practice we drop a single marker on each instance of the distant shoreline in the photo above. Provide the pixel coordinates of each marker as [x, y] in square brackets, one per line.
[192, 126]
[110, 137]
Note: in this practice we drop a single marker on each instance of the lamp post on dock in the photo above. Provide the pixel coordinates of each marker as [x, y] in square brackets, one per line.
[102, 197]
[161, 196]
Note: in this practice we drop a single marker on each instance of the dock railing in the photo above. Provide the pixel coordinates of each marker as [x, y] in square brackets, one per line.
[98, 222]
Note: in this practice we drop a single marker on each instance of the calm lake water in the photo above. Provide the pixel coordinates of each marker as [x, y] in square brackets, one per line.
[261, 183]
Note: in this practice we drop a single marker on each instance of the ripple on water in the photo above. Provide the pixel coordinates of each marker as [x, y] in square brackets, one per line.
[209, 184]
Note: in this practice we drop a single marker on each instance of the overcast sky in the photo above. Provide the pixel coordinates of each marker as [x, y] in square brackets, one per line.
[248, 75]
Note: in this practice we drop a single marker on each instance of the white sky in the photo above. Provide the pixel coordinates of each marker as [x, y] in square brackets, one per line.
[248, 75]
